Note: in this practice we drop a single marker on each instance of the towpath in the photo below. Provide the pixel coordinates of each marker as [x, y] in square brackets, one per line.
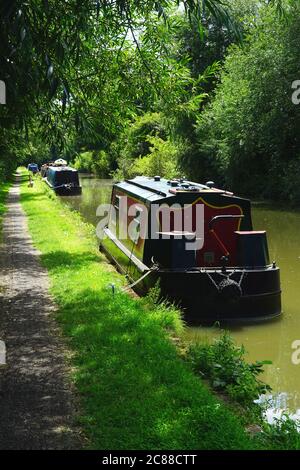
[37, 402]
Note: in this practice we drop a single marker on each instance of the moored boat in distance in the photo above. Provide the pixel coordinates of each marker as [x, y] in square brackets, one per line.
[33, 168]
[64, 180]
[199, 242]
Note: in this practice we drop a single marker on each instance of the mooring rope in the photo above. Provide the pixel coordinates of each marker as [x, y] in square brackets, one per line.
[242, 277]
[211, 278]
[202, 270]
[130, 286]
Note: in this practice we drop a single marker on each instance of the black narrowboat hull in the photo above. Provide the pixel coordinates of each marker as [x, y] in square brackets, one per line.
[199, 291]
[65, 190]
[201, 298]
[74, 191]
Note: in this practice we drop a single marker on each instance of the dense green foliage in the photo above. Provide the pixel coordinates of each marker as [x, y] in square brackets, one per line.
[283, 434]
[4, 187]
[251, 126]
[161, 159]
[223, 364]
[84, 80]
[145, 148]
[94, 161]
[129, 87]
[77, 72]
[135, 391]
[246, 125]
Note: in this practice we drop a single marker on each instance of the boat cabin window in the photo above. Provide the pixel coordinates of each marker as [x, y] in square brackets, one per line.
[114, 220]
[135, 225]
[117, 202]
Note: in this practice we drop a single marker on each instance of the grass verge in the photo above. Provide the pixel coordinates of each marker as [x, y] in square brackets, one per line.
[136, 392]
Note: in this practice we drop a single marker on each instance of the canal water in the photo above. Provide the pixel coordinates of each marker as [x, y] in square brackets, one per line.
[266, 341]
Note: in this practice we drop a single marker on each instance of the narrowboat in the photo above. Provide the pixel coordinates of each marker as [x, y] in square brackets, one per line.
[63, 180]
[33, 167]
[199, 242]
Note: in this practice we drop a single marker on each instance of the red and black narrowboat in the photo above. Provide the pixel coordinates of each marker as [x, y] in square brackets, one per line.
[199, 242]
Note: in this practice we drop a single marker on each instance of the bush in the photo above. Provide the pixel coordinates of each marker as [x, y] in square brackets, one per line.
[223, 365]
[282, 434]
[290, 182]
[83, 161]
[135, 143]
[160, 161]
[101, 164]
[137, 138]
[96, 161]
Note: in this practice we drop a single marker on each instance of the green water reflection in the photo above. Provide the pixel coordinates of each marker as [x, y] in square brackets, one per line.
[94, 192]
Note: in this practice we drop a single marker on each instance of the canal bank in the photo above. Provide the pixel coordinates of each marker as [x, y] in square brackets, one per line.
[136, 392]
[264, 341]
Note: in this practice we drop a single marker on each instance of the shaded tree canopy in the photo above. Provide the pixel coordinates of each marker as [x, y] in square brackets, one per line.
[79, 67]
[78, 72]
[50, 47]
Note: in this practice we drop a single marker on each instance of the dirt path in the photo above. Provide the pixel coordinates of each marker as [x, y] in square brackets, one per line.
[37, 405]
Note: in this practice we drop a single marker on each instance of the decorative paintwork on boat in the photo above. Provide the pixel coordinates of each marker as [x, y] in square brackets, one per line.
[63, 180]
[227, 276]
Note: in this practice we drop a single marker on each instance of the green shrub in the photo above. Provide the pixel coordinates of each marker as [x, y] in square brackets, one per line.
[134, 389]
[282, 434]
[93, 161]
[6, 169]
[223, 365]
[83, 161]
[137, 137]
[135, 143]
[4, 188]
[161, 159]
[289, 182]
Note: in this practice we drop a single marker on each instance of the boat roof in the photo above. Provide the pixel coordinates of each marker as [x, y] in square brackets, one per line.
[156, 188]
[62, 168]
[60, 161]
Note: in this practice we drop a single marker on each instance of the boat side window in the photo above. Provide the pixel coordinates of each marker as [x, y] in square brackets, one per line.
[137, 224]
[117, 202]
[115, 220]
